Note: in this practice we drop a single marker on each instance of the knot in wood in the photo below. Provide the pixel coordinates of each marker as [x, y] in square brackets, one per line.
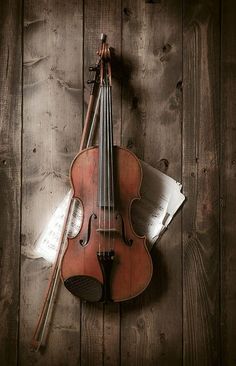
[127, 12]
[163, 165]
[140, 323]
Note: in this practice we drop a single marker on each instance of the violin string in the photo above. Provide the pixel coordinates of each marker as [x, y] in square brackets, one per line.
[108, 167]
[106, 184]
[104, 173]
[108, 172]
[102, 167]
[105, 165]
[100, 172]
[112, 163]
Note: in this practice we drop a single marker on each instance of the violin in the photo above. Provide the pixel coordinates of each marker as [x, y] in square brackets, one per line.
[106, 260]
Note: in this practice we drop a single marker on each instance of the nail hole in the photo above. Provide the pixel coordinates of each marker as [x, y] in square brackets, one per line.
[134, 102]
[153, 1]
[179, 85]
[130, 144]
[127, 12]
[166, 48]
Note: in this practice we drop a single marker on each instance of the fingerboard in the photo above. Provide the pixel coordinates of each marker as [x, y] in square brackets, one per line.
[106, 171]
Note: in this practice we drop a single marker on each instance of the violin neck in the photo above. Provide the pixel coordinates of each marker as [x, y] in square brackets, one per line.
[106, 171]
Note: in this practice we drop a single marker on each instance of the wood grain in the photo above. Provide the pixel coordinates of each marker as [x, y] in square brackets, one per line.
[228, 182]
[201, 183]
[53, 106]
[151, 325]
[10, 177]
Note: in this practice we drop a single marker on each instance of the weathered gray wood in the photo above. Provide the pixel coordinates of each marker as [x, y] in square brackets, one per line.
[228, 181]
[53, 105]
[56, 37]
[10, 177]
[100, 326]
[201, 183]
[151, 325]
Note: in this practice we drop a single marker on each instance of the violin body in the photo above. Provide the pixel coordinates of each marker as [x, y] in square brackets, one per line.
[106, 260]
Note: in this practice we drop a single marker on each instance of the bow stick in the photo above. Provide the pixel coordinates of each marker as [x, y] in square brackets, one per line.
[40, 333]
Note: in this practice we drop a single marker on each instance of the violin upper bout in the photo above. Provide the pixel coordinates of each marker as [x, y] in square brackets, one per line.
[84, 172]
[128, 172]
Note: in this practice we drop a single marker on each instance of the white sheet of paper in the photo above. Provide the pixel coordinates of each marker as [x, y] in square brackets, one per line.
[161, 198]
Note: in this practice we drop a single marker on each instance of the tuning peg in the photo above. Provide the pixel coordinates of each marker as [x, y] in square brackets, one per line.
[90, 81]
[103, 37]
[93, 68]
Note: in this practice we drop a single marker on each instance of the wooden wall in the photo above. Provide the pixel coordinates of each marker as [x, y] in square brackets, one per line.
[174, 106]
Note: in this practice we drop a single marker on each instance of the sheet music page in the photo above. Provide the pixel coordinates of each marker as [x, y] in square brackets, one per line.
[161, 198]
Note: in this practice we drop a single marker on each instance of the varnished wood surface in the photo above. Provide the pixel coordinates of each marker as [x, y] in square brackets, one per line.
[174, 106]
[132, 265]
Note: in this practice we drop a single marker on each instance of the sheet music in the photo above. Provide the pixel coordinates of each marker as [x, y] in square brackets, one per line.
[161, 198]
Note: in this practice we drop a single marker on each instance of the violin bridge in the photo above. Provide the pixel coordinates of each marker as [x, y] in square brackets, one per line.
[107, 230]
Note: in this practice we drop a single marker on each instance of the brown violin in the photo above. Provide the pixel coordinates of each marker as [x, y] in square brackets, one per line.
[106, 260]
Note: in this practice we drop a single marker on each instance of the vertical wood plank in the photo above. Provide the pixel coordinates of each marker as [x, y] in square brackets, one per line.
[228, 181]
[53, 107]
[201, 183]
[100, 326]
[151, 325]
[10, 176]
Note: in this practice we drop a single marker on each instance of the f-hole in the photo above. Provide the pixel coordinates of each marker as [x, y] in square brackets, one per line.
[84, 242]
[128, 242]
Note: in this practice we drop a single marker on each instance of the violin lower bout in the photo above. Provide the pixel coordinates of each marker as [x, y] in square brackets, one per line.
[129, 268]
